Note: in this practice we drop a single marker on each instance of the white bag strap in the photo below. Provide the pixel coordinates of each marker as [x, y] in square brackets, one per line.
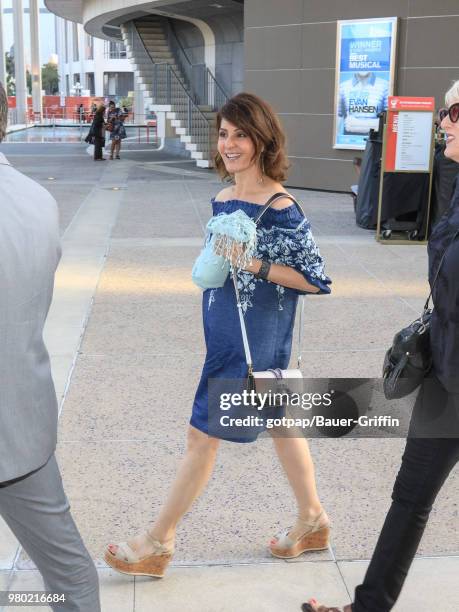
[245, 340]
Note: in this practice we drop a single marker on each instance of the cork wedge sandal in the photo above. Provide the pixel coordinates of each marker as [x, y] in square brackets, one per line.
[313, 606]
[316, 536]
[126, 561]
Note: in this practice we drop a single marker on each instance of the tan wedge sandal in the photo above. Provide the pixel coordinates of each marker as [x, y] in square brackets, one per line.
[126, 561]
[316, 536]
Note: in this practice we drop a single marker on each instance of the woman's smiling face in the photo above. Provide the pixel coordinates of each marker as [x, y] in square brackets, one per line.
[235, 147]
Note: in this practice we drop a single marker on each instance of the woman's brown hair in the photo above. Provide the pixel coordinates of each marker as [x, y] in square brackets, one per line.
[257, 119]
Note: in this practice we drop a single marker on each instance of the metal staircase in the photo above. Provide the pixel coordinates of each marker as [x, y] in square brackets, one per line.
[189, 94]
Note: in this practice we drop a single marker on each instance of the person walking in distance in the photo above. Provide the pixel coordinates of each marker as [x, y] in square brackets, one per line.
[98, 133]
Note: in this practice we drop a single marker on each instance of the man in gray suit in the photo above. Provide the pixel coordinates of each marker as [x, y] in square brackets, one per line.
[32, 499]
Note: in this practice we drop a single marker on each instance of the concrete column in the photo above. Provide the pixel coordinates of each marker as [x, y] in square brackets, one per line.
[35, 62]
[60, 24]
[2, 50]
[19, 62]
[139, 102]
[99, 62]
[82, 56]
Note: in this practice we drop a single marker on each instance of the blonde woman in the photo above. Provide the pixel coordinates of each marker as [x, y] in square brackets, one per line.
[432, 448]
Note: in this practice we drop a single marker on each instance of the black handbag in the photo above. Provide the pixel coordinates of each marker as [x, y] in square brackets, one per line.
[90, 137]
[409, 359]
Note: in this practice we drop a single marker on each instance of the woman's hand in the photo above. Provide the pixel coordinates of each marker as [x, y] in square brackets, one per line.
[236, 252]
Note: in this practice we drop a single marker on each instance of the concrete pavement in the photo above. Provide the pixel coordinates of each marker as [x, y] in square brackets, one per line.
[125, 338]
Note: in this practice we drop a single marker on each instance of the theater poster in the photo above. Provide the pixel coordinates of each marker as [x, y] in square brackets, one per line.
[365, 67]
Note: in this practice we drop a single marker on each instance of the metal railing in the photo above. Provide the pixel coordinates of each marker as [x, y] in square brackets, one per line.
[216, 95]
[168, 88]
[203, 85]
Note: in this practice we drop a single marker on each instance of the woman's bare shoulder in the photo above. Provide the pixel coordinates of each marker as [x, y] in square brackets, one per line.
[224, 194]
[281, 202]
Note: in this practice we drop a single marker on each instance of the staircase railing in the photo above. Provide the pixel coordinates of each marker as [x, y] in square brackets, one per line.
[132, 36]
[216, 95]
[169, 89]
[204, 86]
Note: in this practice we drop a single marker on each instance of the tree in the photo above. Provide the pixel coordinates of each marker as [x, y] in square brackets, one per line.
[11, 76]
[50, 78]
[10, 81]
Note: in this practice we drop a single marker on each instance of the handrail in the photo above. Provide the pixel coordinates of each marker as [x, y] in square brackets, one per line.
[168, 88]
[174, 92]
[217, 96]
[170, 69]
[208, 91]
[204, 87]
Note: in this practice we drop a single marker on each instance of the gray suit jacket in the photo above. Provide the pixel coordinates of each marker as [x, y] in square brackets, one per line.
[29, 254]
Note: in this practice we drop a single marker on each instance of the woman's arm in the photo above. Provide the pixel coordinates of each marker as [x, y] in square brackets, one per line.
[278, 273]
[283, 275]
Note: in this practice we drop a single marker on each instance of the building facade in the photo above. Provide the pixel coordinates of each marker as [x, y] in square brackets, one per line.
[283, 50]
[91, 66]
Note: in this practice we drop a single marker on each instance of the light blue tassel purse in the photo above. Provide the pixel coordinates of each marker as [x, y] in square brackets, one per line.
[210, 270]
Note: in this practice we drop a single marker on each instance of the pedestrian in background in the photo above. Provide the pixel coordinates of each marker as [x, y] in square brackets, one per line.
[115, 125]
[98, 133]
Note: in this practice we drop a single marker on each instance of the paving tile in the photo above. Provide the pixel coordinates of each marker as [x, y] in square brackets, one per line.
[158, 274]
[130, 398]
[61, 366]
[27, 581]
[262, 588]
[350, 324]
[116, 591]
[355, 480]
[127, 326]
[253, 504]
[8, 548]
[431, 583]
[4, 580]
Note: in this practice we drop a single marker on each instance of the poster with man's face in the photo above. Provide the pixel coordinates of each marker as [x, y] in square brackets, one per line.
[365, 69]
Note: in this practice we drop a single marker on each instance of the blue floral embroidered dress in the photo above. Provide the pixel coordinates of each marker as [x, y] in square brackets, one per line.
[283, 237]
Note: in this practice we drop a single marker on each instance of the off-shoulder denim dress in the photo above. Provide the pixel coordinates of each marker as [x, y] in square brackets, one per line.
[283, 237]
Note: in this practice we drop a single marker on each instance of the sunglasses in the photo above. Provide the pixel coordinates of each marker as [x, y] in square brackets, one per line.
[452, 112]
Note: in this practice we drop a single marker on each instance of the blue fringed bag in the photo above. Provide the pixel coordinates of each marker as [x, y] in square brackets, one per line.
[210, 270]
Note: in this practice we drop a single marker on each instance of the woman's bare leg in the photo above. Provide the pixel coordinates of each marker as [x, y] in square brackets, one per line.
[191, 478]
[295, 458]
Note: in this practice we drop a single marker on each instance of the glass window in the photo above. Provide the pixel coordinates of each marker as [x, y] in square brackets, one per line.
[114, 50]
[118, 83]
[90, 83]
[89, 47]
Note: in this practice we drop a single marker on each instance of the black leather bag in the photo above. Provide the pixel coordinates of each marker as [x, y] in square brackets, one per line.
[409, 359]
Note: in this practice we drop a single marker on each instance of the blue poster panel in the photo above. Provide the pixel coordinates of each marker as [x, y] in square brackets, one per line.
[364, 77]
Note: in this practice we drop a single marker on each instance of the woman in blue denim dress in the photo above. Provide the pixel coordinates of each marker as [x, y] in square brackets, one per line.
[251, 151]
